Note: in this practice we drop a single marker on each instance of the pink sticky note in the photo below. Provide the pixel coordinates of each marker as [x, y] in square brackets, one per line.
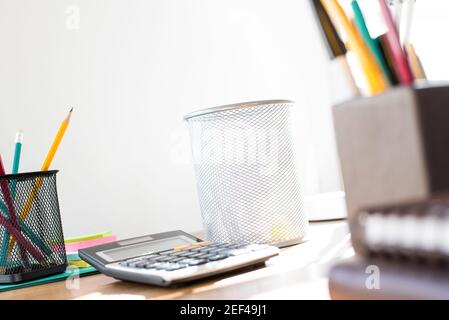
[75, 246]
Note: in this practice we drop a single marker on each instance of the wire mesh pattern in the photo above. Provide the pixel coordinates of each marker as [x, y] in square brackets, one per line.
[246, 175]
[30, 224]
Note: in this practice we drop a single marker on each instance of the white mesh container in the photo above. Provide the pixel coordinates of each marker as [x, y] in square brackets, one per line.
[247, 180]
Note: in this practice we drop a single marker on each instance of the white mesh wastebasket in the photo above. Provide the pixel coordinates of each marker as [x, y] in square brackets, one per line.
[247, 181]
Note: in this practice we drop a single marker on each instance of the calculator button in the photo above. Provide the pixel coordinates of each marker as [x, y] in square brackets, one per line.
[140, 264]
[168, 252]
[197, 244]
[199, 255]
[177, 253]
[218, 257]
[176, 259]
[193, 262]
[175, 266]
[134, 260]
[183, 248]
[204, 246]
[197, 262]
[237, 252]
[187, 254]
[186, 261]
[162, 266]
[166, 259]
[151, 265]
[218, 250]
[132, 264]
[158, 258]
[150, 256]
[237, 246]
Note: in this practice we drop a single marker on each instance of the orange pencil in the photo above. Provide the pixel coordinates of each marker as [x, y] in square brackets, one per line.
[45, 166]
[375, 78]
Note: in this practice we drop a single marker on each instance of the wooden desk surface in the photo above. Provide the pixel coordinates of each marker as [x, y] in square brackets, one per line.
[299, 272]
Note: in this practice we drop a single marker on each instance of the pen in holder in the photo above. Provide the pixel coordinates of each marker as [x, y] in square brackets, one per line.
[31, 235]
[394, 147]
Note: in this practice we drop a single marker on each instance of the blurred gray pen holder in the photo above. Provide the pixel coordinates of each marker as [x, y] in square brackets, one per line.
[394, 147]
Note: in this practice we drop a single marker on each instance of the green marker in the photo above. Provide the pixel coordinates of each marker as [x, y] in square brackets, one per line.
[360, 24]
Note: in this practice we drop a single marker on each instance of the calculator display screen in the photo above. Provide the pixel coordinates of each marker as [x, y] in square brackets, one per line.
[144, 248]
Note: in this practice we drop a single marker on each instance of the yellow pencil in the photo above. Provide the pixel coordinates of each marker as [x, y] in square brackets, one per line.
[375, 78]
[56, 142]
[45, 166]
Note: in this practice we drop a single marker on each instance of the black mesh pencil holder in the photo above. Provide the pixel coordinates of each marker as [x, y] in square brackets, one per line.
[31, 237]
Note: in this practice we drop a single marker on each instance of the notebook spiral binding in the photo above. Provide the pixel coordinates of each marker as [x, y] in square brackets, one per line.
[414, 231]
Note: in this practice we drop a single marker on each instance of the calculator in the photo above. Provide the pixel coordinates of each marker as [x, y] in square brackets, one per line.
[170, 258]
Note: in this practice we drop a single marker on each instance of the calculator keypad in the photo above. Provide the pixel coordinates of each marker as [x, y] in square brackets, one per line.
[174, 259]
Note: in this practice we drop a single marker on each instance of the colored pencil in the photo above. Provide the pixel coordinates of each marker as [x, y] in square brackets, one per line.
[383, 47]
[343, 84]
[56, 142]
[11, 213]
[407, 21]
[13, 223]
[27, 230]
[45, 166]
[360, 24]
[377, 82]
[415, 62]
[17, 152]
[397, 6]
[21, 239]
[88, 237]
[400, 62]
[15, 169]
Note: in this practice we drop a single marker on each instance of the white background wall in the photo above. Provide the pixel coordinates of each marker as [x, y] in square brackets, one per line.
[132, 69]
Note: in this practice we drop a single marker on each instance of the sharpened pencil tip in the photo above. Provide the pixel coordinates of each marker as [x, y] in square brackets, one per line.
[69, 115]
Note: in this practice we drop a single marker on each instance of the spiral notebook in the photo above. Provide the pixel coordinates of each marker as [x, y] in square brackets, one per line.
[403, 253]
[355, 279]
[414, 230]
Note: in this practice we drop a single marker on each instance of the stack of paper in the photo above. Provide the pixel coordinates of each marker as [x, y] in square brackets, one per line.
[72, 245]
